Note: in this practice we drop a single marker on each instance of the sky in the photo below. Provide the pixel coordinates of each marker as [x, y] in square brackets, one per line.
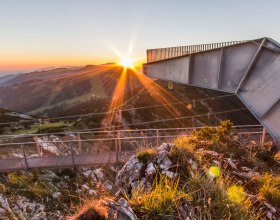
[36, 34]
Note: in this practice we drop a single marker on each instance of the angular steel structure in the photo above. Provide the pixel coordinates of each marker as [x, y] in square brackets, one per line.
[250, 69]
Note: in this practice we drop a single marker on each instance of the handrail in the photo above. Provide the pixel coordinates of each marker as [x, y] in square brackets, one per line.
[115, 131]
[171, 52]
[113, 138]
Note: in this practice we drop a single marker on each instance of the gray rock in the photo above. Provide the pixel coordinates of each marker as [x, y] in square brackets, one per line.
[230, 162]
[165, 164]
[99, 174]
[130, 172]
[269, 215]
[161, 156]
[151, 170]
[164, 147]
[122, 210]
[193, 164]
[169, 174]
[186, 211]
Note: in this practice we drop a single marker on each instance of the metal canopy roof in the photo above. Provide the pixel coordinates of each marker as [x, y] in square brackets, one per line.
[250, 69]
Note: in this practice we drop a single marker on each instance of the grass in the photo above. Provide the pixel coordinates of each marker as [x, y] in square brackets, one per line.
[45, 126]
[218, 199]
[29, 185]
[161, 201]
[269, 189]
[145, 155]
[90, 209]
[181, 153]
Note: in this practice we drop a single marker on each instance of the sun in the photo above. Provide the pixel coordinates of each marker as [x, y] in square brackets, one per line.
[127, 63]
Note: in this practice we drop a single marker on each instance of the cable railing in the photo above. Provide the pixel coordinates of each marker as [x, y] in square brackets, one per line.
[85, 149]
[171, 52]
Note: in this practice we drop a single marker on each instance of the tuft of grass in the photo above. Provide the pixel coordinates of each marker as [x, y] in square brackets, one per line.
[161, 201]
[181, 153]
[145, 155]
[90, 209]
[214, 199]
[236, 194]
[269, 188]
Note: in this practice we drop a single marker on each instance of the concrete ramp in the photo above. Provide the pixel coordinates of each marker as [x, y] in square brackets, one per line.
[249, 69]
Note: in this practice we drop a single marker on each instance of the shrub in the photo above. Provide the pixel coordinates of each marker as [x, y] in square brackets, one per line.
[216, 134]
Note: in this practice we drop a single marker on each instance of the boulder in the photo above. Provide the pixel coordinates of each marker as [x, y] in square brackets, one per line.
[130, 172]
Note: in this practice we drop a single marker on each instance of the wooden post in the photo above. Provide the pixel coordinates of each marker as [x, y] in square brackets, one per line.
[24, 157]
[157, 138]
[72, 156]
[263, 136]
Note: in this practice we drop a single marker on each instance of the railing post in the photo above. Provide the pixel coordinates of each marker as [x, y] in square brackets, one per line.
[79, 142]
[24, 157]
[263, 136]
[157, 138]
[119, 145]
[72, 156]
[117, 149]
[39, 150]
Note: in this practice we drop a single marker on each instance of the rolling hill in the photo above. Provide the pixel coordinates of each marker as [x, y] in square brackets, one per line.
[65, 92]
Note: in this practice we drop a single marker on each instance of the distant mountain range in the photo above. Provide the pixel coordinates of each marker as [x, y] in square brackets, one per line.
[63, 91]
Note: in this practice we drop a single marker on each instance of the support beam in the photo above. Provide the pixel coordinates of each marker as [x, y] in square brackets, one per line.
[190, 69]
[250, 67]
[219, 78]
[271, 108]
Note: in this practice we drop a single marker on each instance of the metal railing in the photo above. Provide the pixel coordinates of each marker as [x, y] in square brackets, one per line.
[171, 52]
[82, 144]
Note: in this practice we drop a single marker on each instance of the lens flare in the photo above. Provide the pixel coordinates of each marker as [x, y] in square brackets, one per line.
[127, 63]
[214, 171]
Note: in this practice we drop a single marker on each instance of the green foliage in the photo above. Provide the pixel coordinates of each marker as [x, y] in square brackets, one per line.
[161, 201]
[269, 188]
[215, 134]
[206, 133]
[146, 155]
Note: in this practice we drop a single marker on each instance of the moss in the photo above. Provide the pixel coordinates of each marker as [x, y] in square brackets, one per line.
[146, 155]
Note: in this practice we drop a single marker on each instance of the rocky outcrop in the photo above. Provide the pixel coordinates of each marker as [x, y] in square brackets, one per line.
[136, 174]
